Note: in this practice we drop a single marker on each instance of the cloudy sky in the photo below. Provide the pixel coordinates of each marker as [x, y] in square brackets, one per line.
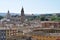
[30, 6]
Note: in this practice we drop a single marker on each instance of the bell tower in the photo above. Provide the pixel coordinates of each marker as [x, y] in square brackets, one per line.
[22, 11]
[8, 15]
[22, 15]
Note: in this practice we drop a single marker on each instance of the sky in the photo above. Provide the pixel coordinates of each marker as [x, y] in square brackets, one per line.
[30, 6]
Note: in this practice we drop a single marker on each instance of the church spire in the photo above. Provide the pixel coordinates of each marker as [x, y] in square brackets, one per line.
[22, 15]
[22, 11]
[8, 11]
[8, 15]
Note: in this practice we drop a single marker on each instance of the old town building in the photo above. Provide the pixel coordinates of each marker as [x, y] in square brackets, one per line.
[50, 24]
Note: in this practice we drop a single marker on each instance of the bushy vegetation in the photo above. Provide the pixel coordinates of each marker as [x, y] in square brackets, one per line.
[55, 18]
[1, 17]
[42, 18]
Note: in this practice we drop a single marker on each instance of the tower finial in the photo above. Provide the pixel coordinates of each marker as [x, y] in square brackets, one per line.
[22, 6]
[8, 11]
[22, 9]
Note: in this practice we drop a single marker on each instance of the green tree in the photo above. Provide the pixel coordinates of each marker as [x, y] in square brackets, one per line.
[1, 17]
[58, 18]
[42, 18]
[53, 18]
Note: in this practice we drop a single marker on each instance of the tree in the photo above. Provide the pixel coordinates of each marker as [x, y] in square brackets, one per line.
[58, 18]
[53, 18]
[1, 17]
[42, 18]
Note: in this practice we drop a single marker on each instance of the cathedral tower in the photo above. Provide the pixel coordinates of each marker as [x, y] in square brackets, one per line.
[8, 15]
[22, 11]
[22, 15]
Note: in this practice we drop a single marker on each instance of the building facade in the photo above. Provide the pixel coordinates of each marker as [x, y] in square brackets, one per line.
[2, 34]
[50, 24]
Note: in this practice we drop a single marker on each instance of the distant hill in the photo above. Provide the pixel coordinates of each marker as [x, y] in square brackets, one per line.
[4, 14]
